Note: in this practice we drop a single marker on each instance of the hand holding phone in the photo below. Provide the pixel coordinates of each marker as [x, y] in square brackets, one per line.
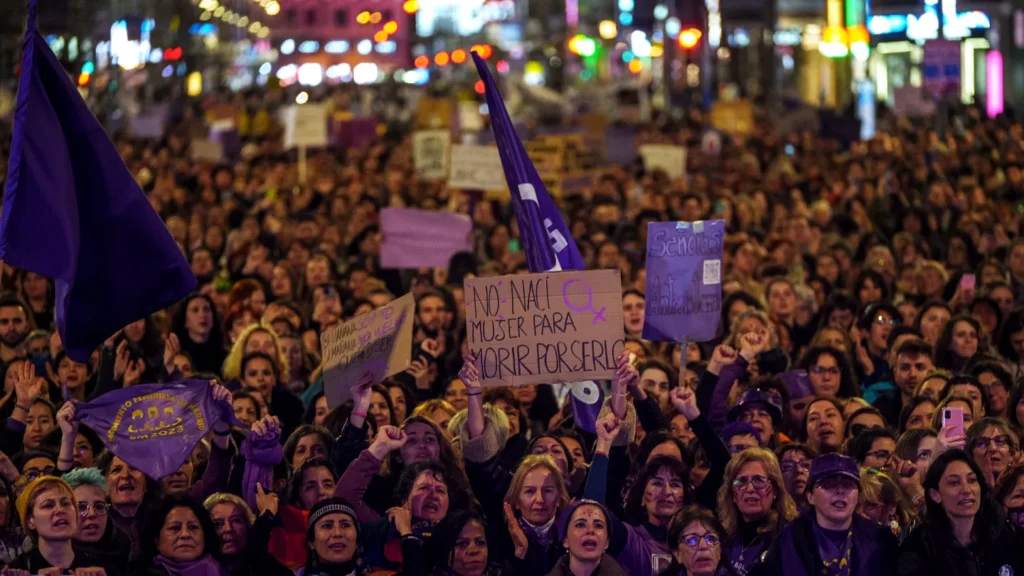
[953, 422]
[968, 283]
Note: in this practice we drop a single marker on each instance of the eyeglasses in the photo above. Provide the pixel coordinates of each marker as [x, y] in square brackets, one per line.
[36, 473]
[883, 455]
[693, 540]
[758, 482]
[791, 466]
[100, 508]
[819, 370]
[1000, 442]
[882, 321]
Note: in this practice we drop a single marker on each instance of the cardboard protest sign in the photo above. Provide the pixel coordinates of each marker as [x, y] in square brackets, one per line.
[684, 280]
[671, 159]
[430, 150]
[305, 125]
[207, 150]
[419, 238]
[476, 168]
[379, 342]
[547, 327]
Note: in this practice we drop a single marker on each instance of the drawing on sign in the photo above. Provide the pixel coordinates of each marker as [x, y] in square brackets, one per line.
[543, 328]
[430, 153]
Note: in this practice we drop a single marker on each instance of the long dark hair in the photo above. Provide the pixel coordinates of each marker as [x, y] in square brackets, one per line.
[944, 355]
[151, 531]
[216, 337]
[635, 512]
[987, 522]
[848, 386]
[441, 552]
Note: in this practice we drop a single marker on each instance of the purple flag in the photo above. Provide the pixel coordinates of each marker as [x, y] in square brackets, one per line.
[154, 427]
[73, 212]
[684, 280]
[422, 238]
[547, 242]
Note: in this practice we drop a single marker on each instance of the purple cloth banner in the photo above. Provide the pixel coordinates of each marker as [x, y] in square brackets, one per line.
[154, 427]
[422, 238]
[73, 212]
[548, 244]
[684, 280]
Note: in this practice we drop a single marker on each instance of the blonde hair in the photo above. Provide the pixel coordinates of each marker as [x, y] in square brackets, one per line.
[233, 363]
[427, 409]
[27, 501]
[529, 464]
[773, 336]
[783, 508]
[878, 487]
[225, 498]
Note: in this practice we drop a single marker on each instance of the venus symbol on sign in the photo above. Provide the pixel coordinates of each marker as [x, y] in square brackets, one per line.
[589, 307]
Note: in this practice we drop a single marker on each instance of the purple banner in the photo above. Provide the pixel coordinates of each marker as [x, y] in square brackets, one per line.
[154, 427]
[422, 238]
[684, 280]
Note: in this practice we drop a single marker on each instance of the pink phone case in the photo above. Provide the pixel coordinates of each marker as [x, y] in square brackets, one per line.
[953, 417]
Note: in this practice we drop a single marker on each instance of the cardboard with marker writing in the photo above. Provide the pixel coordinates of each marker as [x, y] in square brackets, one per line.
[379, 342]
[545, 328]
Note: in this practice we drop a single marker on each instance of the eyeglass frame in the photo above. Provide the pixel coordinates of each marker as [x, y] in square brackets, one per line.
[95, 508]
[710, 538]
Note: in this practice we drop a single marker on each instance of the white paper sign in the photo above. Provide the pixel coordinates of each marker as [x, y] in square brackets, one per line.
[430, 149]
[207, 151]
[476, 168]
[305, 125]
[470, 119]
[671, 159]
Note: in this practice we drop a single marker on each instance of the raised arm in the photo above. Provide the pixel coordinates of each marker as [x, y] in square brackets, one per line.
[262, 451]
[470, 376]
[685, 402]
[353, 483]
[69, 431]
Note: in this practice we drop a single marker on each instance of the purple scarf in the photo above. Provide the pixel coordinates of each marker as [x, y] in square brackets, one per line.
[205, 566]
[835, 560]
[544, 535]
[261, 455]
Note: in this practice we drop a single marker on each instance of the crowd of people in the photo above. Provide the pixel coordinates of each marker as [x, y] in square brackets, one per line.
[870, 291]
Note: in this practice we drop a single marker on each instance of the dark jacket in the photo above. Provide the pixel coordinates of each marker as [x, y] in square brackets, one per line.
[795, 553]
[258, 561]
[607, 567]
[34, 562]
[924, 553]
[113, 549]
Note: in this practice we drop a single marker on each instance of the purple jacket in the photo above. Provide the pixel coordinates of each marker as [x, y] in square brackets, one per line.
[353, 483]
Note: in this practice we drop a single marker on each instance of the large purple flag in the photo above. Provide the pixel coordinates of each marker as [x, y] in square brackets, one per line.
[73, 212]
[684, 281]
[154, 427]
[547, 242]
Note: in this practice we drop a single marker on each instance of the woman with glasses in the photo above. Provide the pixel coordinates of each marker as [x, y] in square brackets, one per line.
[919, 447]
[873, 448]
[96, 535]
[696, 538]
[994, 446]
[795, 465]
[965, 532]
[49, 513]
[1009, 492]
[753, 506]
[871, 341]
[829, 372]
[830, 539]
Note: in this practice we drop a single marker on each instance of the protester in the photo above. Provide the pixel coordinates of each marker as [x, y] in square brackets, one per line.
[695, 537]
[97, 537]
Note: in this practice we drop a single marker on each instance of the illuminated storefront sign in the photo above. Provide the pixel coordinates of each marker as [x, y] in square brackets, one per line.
[926, 26]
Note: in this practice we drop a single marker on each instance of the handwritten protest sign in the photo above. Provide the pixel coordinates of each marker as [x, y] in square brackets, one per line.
[684, 280]
[207, 151]
[305, 125]
[379, 342]
[544, 328]
[430, 150]
[419, 238]
[476, 168]
[671, 159]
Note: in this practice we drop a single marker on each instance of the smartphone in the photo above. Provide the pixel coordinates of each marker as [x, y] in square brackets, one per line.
[513, 246]
[790, 150]
[953, 418]
[968, 282]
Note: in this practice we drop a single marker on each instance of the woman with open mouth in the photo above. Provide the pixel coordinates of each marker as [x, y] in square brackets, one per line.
[584, 530]
[49, 513]
[965, 531]
[180, 540]
[831, 539]
[244, 537]
[425, 492]
[97, 536]
[333, 540]
[753, 506]
[696, 539]
[994, 445]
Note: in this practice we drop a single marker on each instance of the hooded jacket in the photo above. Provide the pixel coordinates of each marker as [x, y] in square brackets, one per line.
[794, 552]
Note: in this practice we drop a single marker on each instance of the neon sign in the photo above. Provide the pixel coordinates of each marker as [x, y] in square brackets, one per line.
[926, 26]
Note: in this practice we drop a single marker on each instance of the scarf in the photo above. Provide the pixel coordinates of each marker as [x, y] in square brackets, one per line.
[543, 535]
[1016, 515]
[205, 566]
[343, 569]
[835, 560]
